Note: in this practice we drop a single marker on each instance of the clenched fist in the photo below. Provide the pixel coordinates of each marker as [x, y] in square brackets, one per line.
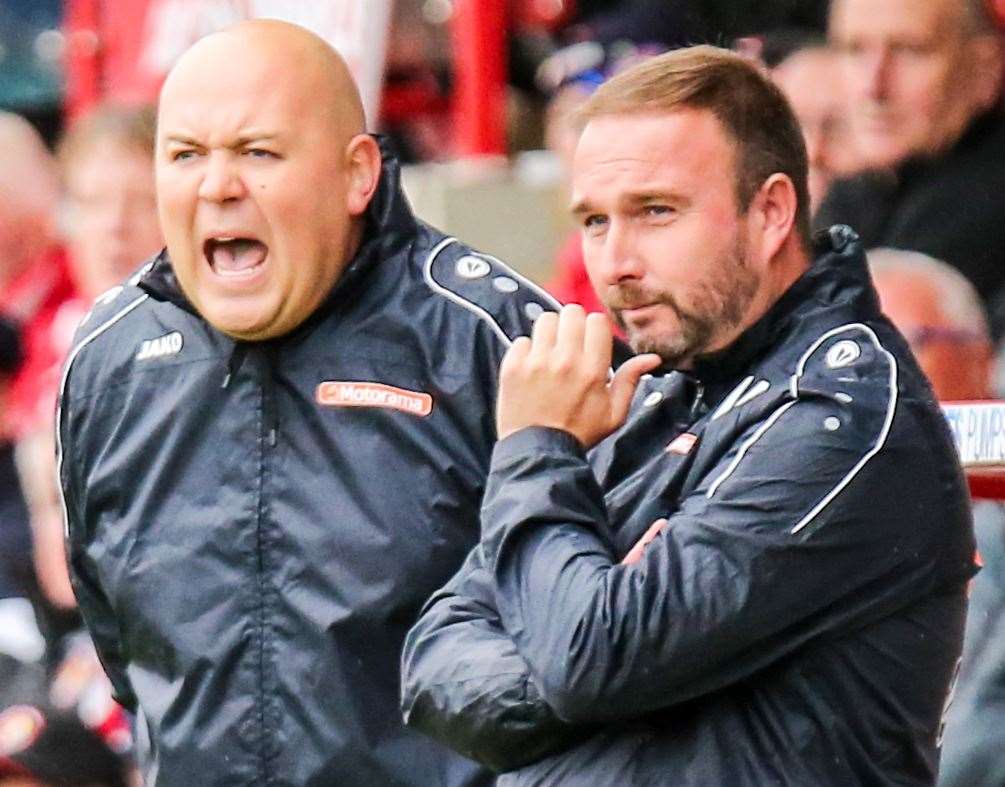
[561, 378]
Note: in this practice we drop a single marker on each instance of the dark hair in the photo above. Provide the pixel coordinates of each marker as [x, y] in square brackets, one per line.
[752, 110]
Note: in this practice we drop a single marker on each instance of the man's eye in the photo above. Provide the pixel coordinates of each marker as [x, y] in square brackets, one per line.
[657, 211]
[183, 155]
[912, 49]
[259, 153]
[594, 223]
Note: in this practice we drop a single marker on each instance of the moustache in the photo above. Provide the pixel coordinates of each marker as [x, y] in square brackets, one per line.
[631, 296]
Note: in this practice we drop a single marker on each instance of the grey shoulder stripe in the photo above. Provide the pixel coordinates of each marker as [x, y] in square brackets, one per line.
[891, 409]
[62, 390]
[474, 308]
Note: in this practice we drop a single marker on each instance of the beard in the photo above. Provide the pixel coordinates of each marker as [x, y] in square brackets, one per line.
[718, 304]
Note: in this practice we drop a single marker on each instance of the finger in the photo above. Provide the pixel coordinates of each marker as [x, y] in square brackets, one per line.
[515, 355]
[598, 341]
[545, 331]
[626, 380]
[571, 326]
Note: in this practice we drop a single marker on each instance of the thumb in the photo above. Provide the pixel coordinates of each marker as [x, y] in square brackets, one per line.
[626, 380]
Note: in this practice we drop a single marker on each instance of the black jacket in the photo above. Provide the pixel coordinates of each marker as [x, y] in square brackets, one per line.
[796, 623]
[947, 206]
[254, 527]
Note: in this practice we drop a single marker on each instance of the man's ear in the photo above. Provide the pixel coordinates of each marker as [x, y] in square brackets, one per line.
[363, 168]
[773, 213]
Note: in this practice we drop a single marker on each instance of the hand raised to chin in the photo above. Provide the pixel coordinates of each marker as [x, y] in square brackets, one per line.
[560, 378]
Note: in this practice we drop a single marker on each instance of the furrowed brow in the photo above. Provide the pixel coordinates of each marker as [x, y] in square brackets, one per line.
[181, 139]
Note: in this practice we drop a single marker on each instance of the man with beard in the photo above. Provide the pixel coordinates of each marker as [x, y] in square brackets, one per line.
[769, 541]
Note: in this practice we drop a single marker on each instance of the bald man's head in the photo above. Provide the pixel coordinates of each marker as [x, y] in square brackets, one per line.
[285, 56]
[263, 175]
[29, 189]
[941, 316]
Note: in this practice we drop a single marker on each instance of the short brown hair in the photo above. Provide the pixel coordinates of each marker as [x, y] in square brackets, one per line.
[752, 110]
[131, 126]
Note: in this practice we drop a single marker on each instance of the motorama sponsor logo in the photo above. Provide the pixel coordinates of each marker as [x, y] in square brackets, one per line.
[364, 394]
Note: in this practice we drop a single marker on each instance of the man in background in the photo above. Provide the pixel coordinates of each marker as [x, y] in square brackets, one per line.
[923, 85]
[810, 76]
[941, 316]
[34, 284]
[109, 227]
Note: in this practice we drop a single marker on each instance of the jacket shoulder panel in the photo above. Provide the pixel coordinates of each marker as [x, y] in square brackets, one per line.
[487, 288]
[841, 403]
[108, 311]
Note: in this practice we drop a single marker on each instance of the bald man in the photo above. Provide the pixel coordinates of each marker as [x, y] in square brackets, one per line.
[275, 437]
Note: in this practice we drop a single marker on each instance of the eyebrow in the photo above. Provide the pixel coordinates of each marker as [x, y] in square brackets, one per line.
[240, 141]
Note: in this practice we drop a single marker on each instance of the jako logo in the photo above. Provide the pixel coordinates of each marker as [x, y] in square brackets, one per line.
[345, 394]
[168, 344]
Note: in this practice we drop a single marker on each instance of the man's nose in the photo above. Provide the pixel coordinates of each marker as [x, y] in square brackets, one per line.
[221, 179]
[874, 71]
[619, 259]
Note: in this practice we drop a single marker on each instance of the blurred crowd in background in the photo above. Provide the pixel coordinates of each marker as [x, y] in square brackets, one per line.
[900, 103]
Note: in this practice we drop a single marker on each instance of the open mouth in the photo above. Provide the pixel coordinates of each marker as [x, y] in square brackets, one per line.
[234, 257]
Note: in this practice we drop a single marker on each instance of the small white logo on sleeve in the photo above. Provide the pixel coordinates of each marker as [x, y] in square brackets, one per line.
[470, 267]
[843, 353]
[168, 344]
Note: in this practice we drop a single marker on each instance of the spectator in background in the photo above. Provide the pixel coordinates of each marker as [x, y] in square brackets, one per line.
[41, 746]
[923, 79]
[110, 227]
[809, 75]
[34, 281]
[941, 316]
[939, 312]
[33, 284]
[21, 643]
[109, 224]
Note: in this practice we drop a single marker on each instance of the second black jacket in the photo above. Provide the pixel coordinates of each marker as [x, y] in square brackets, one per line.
[796, 622]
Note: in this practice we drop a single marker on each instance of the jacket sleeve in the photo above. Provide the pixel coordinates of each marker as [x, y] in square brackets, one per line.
[94, 606]
[784, 540]
[464, 683]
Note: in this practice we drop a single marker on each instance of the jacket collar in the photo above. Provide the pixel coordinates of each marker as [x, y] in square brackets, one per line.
[838, 277]
[390, 224]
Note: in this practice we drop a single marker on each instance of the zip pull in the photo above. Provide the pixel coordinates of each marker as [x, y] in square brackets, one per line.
[271, 410]
[235, 362]
[696, 405]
